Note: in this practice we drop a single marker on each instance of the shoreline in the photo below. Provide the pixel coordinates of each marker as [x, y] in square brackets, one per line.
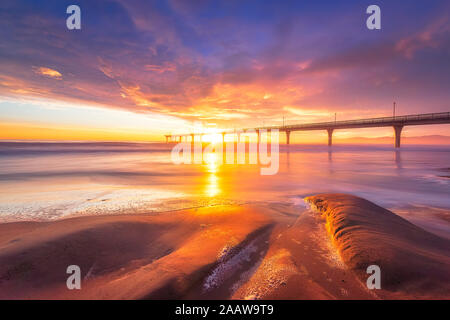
[237, 251]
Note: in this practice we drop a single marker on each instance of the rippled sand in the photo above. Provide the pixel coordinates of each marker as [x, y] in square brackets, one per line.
[218, 252]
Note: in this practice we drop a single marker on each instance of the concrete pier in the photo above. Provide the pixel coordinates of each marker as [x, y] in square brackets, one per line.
[397, 122]
[330, 137]
[398, 132]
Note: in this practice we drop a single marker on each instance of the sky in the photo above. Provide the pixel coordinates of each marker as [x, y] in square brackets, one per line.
[140, 69]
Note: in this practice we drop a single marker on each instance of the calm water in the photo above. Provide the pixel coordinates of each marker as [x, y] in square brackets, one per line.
[52, 180]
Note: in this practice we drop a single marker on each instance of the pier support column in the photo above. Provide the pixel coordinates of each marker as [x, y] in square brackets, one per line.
[288, 134]
[192, 146]
[330, 137]
[167, 139]
[398, 132]
[259, 136]
[223, 137]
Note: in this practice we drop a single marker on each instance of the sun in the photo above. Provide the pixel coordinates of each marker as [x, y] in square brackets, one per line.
[213, 138]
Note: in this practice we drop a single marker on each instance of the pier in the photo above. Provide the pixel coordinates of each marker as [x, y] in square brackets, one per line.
[396, 122]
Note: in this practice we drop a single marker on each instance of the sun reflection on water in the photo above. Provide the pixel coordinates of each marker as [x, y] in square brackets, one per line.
[212, 165]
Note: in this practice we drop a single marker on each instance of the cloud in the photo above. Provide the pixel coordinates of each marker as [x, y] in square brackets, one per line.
[226, 62]
[435, 35]
[48, 72]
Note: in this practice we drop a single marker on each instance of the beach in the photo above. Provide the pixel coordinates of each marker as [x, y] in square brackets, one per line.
[142, 228]
[225, 252]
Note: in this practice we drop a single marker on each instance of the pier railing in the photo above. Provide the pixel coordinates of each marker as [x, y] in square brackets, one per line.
[397, 122]
[383, 121]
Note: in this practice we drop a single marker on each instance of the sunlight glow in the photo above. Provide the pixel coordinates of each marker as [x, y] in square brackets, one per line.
[212, 188]
[213, 138]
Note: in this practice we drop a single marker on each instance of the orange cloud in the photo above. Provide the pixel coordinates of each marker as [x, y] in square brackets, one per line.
[167, 66]
[21, 87]
[48, 72]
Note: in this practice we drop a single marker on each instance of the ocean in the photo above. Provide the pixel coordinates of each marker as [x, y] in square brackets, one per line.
[53, 180]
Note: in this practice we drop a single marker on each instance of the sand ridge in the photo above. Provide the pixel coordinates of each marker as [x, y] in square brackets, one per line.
[414, 263]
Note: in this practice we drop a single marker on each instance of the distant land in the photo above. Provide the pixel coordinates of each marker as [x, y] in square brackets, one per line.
[430, 139]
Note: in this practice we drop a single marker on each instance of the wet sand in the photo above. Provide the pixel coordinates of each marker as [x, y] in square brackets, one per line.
[225, 252]
[414, 263]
